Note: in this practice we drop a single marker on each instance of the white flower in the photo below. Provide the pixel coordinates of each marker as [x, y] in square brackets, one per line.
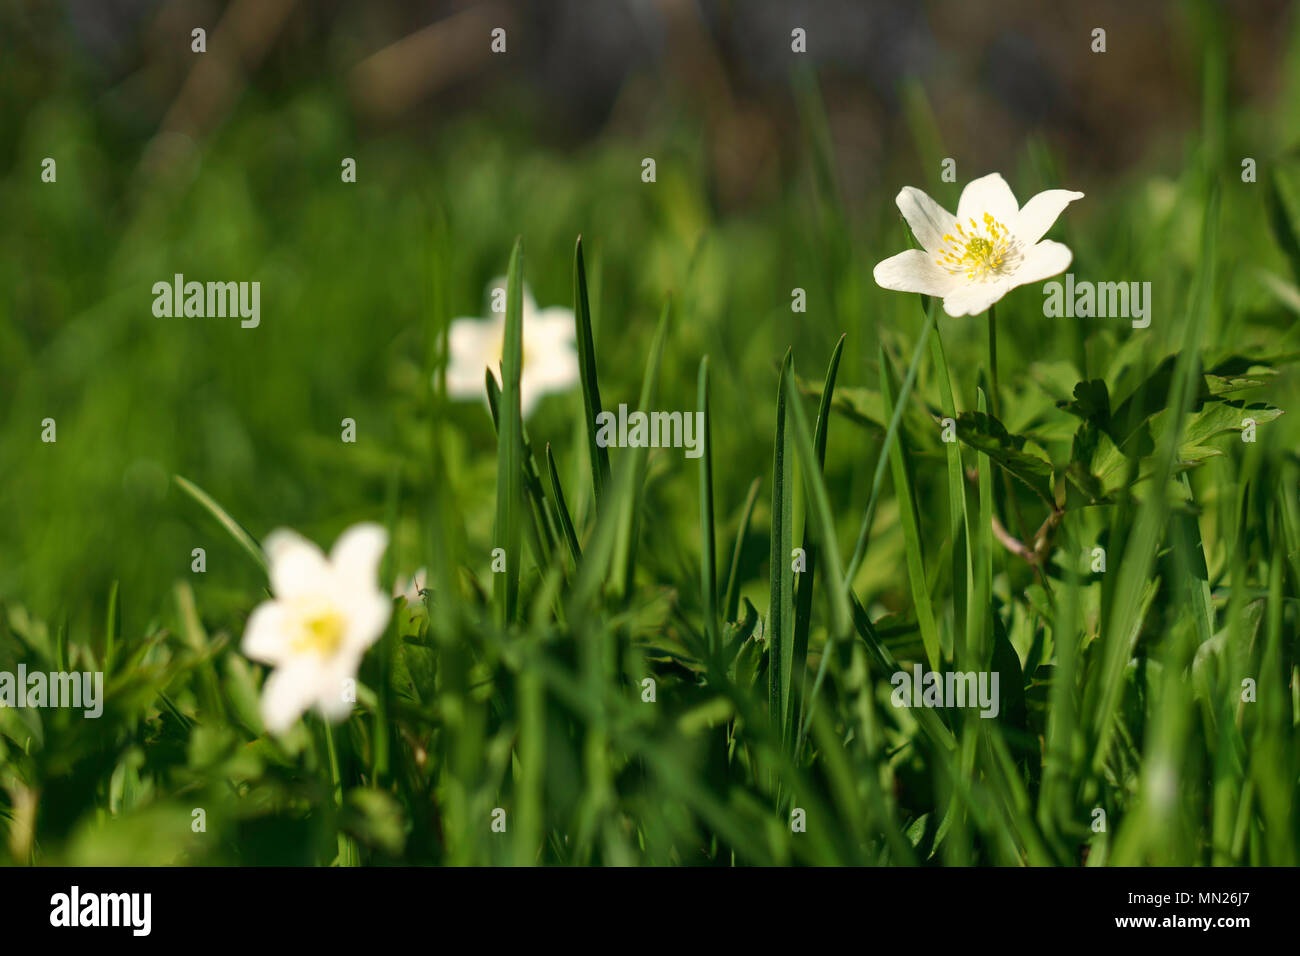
[550, 360]
[976, 257]
[324, 614]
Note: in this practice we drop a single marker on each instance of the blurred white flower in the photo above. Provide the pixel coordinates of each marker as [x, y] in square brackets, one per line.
[323, 615]
[550, 359]
[973, 259]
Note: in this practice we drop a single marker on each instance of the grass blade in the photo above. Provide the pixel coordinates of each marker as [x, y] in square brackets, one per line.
[566, 520]
[732, 603]
[112, 627]
[510, 497]
[812, 453]
[958, 518]
[236, 530]
[891, 435]
[630, 507]
[708, 541]
[780, 619]
[814, 460]
[599, 455]
[911, 533]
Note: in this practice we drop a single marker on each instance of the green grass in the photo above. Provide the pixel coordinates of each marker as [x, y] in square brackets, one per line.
[1122, 688]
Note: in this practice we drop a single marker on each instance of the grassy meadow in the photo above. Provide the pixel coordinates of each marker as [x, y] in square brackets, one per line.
[1106, 532]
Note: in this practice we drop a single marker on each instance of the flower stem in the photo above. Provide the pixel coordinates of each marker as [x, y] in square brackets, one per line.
[347, 850]
[995, 409]
[994, 403]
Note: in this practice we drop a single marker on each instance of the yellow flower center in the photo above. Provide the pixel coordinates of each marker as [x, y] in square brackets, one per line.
[320, 631]
[985, 251]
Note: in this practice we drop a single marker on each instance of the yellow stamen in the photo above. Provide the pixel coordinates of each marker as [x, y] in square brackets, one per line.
[980, 254]
[320, 631]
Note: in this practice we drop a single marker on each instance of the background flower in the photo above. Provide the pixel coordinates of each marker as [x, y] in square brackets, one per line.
[550, 360]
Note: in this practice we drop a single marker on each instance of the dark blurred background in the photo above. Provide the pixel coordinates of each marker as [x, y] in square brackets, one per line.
[995, 73]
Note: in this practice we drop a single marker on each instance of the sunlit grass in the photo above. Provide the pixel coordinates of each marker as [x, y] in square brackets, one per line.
[526, 690]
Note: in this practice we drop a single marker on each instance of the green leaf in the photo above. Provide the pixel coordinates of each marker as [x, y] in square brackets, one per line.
[1211, 421]
[985, 433]
[1091, 402]
[375, 819]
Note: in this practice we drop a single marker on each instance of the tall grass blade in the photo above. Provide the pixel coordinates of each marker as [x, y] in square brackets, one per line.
[598, 454]
[233, 527]
[780, 618]
[708, 541]
[510, 496]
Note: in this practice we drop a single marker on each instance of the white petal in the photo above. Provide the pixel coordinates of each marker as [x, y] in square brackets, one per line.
[551, 371]
[529, 396]
[989, 194]
[550, 325]
[356, 555]
[331, 699]
[1043, 261]
[915, 271]
[334, 704]
[297, 566]
[975, 298]
[466, 383]
[1040, 212]
[471, 343]
[368, 614]
[288, 692]
[929, 221]
[266, 633]
[465, 338]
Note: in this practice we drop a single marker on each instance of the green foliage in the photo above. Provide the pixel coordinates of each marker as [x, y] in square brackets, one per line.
[650, 680]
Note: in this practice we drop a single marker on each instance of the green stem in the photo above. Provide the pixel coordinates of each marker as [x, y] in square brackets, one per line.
[995, 409]
[994, 397]
[347, 851]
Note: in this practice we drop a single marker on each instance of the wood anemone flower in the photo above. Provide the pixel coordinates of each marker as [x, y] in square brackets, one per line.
[972, 259]
[323, 615]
